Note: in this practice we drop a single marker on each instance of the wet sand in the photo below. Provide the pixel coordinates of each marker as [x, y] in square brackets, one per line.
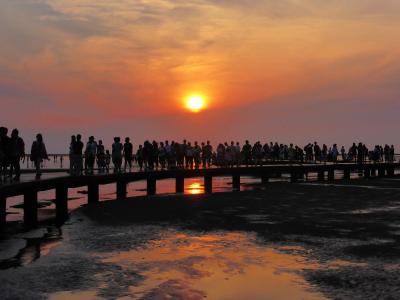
[279, 241]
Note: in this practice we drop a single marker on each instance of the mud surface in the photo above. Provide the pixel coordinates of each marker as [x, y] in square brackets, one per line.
[337, 241]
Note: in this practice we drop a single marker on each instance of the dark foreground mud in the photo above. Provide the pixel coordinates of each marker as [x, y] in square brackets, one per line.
[356, 224]
[336, 241]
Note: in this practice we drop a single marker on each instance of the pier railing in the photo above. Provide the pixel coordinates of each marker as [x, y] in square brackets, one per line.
[29, 190]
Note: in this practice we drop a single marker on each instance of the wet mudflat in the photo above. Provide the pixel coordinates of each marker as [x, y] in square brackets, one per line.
[279, 241]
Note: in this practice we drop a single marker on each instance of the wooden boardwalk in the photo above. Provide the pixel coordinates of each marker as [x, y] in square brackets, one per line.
[30, 189]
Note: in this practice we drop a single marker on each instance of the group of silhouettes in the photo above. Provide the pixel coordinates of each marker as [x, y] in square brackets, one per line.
[172, 155]
[12, 151]
[84, 157]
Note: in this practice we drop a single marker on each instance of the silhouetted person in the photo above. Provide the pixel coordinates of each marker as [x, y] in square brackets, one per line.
[155, 153]
[360, 153]
[162, 155]
[196, 155]
[139, 157]
[77, 148]
[117, 149]
[343, 153]
[392, 154]
[246, 150]
[317, 152]
[16, 153]
[334, 153]
[107, 160]
[101, 163]
[91, 151]
[71, 154]
[38, 153]
[4, 159]
[128, 154]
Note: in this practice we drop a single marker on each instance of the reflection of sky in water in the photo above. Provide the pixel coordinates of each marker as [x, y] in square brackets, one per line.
[195, 188]
[218, 265]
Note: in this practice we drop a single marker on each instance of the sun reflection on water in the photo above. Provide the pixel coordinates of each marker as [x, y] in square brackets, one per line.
[217, 266]
[195, 188]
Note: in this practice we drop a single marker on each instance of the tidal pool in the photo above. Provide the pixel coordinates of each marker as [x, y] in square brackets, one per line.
[217, 265]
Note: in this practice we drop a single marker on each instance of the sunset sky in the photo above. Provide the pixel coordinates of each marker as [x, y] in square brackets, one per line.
[287, 70]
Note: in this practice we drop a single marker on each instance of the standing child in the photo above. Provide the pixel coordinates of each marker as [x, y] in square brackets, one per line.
[107, 160]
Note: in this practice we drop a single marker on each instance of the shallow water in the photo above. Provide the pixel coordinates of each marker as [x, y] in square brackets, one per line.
[218, 265]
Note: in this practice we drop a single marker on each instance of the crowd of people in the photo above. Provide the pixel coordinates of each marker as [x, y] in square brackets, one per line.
[153, 155]
[172, 155]
[12, 151]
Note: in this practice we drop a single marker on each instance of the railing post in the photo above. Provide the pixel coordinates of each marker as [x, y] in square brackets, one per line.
[321, 175]
[346, 175]
[331, 174]
[179, 183]
[93, 192]
[61, 203]
[151, 185]
[236, 182]
[121, 189]
[3, 214]
[208, 183]
[373, 171]
[30, 208]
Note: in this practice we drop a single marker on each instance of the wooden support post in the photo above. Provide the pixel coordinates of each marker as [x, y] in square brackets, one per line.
[390, 170]
[321, 175]
[30, 209]
[3, 214]
[331, 174]
[93, 193]
[208, 183]
[61, 204]
[121, 189]
[293, 176]
[381, 172]
[367, 172]
[151, 185]
[346, 175]
[179, 184]
[264, 179]
[236, 182]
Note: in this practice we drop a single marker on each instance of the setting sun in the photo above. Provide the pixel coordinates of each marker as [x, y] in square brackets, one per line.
[195, 103]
